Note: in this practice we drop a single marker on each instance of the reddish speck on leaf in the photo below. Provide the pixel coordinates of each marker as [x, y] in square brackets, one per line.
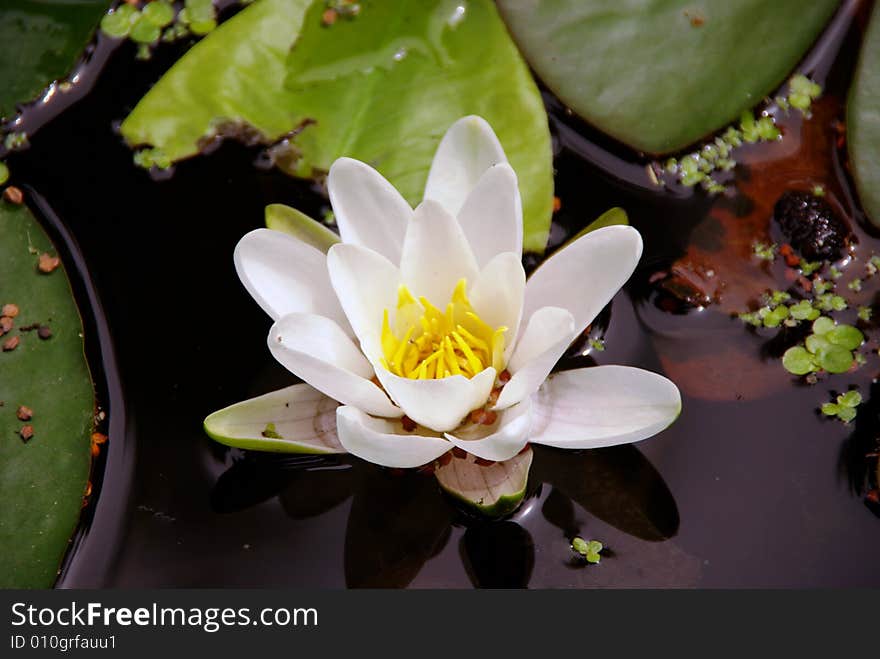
[13, 195]
[48, 263]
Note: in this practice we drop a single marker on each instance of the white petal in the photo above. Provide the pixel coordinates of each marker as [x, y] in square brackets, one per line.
[491, 216]
[438, 404]
[497, 296]
[303, 419]
[468, 149]
[505, 439]
[435, 255]
[603, 406]
[315, 349]
[385, 442]
[366, 284]
[284, 275]
[549, 332]
[369, 210]
[585, 275]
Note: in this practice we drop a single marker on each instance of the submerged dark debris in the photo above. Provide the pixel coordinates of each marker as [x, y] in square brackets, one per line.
[811, 225]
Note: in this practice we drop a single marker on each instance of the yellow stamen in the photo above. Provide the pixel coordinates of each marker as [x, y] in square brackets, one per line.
[473, 362]
[451, 358]
[424, 342]
[397, 360]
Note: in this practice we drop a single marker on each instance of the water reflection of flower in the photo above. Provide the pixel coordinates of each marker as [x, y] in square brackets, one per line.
[399, 519]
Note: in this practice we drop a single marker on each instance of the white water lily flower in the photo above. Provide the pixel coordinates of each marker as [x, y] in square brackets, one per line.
[418, 318]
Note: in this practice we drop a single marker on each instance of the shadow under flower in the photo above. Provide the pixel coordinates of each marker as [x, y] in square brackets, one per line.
[400, 519]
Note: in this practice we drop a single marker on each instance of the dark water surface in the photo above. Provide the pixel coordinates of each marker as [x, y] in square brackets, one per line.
[750, 487]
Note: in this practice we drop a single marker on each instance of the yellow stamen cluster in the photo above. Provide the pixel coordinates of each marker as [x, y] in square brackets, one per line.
[427, 343]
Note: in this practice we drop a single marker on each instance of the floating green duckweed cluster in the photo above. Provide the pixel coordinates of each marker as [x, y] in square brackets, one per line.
[801, 93]
[845, 407]
[699, 167]
[199, 16]
[777, 309]
[15, 141]
[764, 251]
[873, 265]
[809, 267]
[830, 348]
[588, 549]
[157, 20]
[149, 158]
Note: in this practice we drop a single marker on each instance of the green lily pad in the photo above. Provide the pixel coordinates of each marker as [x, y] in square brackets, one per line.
[43, 480]
[297, 419]
[49, 36]
[384, 88]
[492, 490]
[661, 74]
[863, 121]
[299, 225]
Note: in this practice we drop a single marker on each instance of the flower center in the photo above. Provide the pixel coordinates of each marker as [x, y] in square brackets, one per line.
[427, 343]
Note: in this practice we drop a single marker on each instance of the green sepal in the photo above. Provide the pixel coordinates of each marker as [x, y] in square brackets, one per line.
[297, 419]
[299, 225]
[493, 490]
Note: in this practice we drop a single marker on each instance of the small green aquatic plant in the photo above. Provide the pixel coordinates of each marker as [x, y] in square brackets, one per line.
[158, 20]
[589, 549]
[702, 166]
[845, 407]
[830, 348]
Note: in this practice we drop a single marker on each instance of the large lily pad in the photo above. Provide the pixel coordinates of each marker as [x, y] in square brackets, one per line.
[660, 74]
[863, 121]
[42, 481]
[49, 36]
[384, 88]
